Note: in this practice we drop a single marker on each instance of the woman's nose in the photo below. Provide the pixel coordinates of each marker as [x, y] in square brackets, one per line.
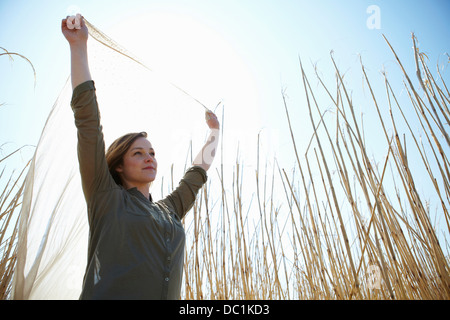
[149, 157]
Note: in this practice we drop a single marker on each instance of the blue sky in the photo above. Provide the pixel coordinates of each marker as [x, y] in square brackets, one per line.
[266, 37]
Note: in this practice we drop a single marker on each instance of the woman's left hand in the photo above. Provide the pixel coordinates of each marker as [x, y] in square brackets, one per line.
[211, 120]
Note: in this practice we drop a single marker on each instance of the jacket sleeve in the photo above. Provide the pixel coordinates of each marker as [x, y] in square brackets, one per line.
[94, 171]
[183, 197]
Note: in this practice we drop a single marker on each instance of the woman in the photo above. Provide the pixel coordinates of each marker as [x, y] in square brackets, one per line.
[136, 246]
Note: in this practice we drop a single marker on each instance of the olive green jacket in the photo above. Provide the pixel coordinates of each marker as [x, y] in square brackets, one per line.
[136, 246]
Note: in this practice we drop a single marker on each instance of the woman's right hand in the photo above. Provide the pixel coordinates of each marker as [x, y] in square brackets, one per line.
[77, 39]
[75, 36]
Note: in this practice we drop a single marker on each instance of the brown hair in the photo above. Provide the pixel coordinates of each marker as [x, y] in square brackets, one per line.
[117, 150]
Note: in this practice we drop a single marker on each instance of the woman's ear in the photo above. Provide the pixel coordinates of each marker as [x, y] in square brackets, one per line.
[119, 168]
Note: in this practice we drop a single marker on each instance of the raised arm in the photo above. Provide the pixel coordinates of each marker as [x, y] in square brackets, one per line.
[183, 197]
[77, 39]
[94, 170]
[206, 156]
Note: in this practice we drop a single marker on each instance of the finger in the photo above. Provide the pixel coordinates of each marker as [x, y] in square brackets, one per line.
[77, 21]
[70, 22]
[64, 26]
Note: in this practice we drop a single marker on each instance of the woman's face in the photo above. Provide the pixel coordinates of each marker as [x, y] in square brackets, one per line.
[139, 164]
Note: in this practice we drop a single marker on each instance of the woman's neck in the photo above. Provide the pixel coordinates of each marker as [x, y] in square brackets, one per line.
[144, 189]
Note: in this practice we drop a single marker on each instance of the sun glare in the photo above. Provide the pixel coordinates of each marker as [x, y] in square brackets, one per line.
[73, 10]
[189, 54]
